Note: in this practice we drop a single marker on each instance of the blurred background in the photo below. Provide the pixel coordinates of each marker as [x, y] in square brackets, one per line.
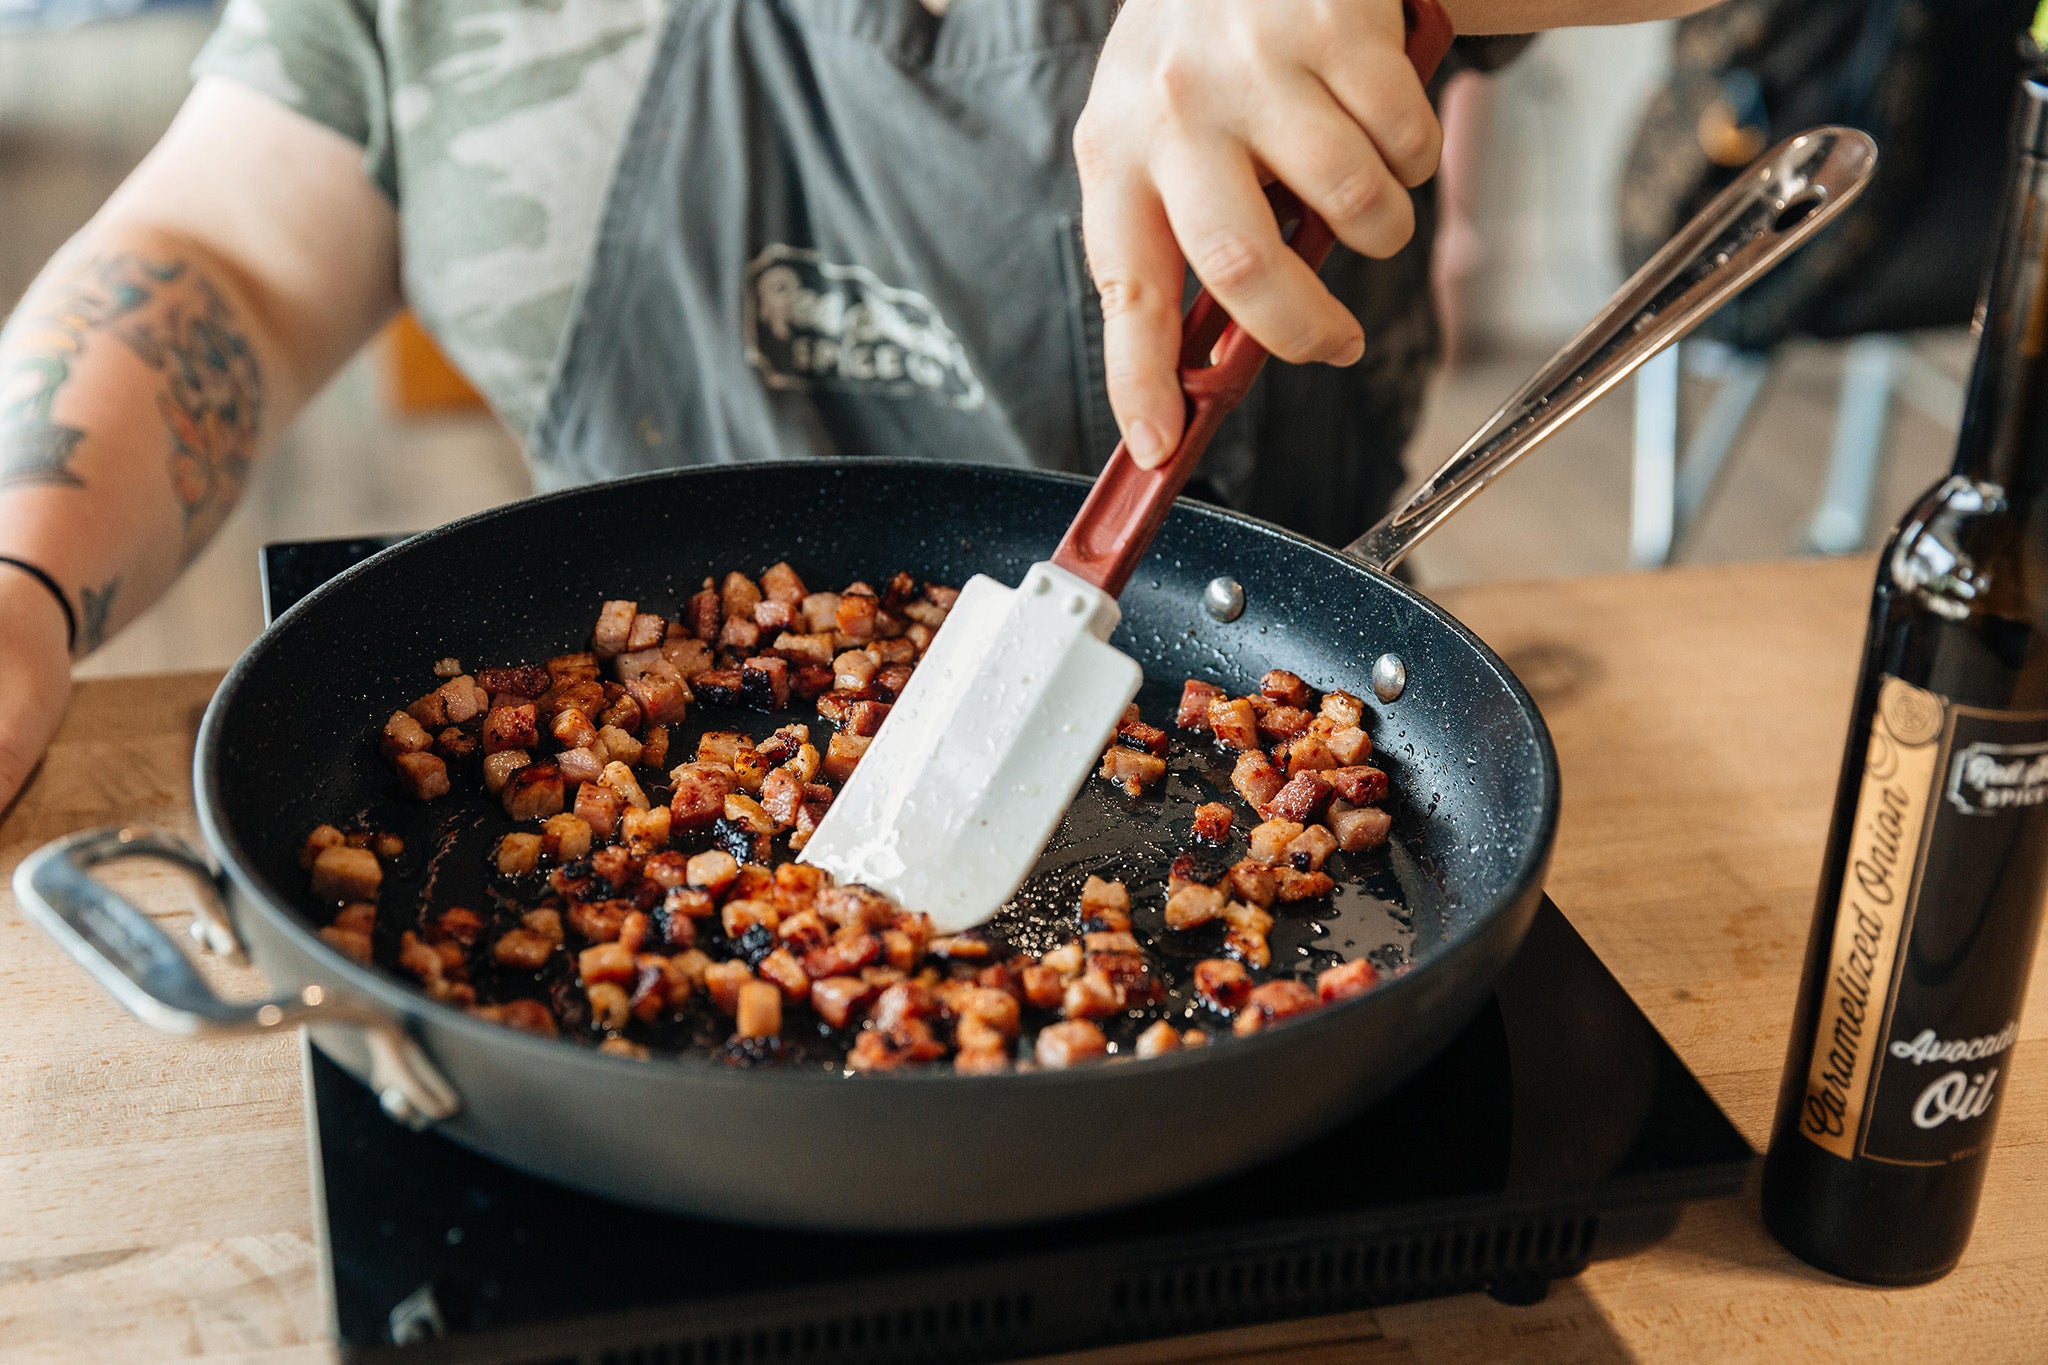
[1791, 446]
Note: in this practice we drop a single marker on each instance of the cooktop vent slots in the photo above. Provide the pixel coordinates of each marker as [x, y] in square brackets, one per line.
[950, 1329]
[1353, 1274]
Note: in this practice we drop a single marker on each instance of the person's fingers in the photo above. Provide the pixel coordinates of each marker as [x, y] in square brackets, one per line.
[1227, 232]
[1137, 269]
[1380, 90]
[1311, 145]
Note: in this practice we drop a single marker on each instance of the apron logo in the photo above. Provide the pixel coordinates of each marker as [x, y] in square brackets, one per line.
[812, 323]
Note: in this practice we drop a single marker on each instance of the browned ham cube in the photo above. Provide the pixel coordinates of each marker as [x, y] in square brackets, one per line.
[1284, 687]
[1361, 786]
[425, 776]
[1234, 723]
[511, 727]
[1196, 697]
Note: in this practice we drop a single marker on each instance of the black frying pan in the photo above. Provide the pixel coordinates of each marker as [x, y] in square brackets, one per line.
[287, 744]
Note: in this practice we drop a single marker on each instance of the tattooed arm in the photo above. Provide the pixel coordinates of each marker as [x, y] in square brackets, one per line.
[156, 358]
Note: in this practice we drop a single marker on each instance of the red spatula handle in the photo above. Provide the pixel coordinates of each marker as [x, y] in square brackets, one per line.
[1218, 361]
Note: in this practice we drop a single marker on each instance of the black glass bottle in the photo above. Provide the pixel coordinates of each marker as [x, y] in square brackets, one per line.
[1937, 860]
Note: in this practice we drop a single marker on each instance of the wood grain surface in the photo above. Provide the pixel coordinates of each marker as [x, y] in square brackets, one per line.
[153, 1194]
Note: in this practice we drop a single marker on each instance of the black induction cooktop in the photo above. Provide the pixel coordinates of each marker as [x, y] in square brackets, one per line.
[1556, 1128]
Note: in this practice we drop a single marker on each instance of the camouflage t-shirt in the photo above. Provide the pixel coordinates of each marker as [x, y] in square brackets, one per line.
[493, 124]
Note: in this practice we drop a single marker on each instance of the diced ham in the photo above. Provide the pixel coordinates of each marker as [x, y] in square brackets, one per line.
[1101, 900]
[1254, 883]
[1346, 979]
[891, 679]
[647, 632]
[843, 754]
[462, 700]
[780, 583]
[1212, 823]
[837, 998]
[1256, 779]
[1361, 786]
[866, 717]
[1296, 885]
[1270, 839]
[1310, 849]
[1069, 1043]
[775, 618]
[534, 792]
[1223, 984]
[425, 776]
[1196, 697]
[1284, 722]
[1284, 687]
[1358, 828]
[511, 727]
[782, 795]
[705, 614]
[572, 668]
[719, 687]
[579, 766]
[821, 611]
[738, 595]
[1234, 723]
[403, 734]
[855, 616]
[599, 807]
[690, 656]
[1342, 709]
[661, 693]
[1301, 800]
[1349, 745]
[854, 670]
[1158, 1040]
[341, 873]
[764, 683]
[805, 648]
[1194, 905]
[1136, 734]
[1272, 1002]
[1131, 769]
[1309, 754]
[614, 628]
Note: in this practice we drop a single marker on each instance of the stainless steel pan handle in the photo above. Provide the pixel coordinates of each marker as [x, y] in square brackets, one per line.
[143, 968]
[1796, 189]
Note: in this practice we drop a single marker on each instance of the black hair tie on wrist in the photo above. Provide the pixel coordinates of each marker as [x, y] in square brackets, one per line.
[40, 576]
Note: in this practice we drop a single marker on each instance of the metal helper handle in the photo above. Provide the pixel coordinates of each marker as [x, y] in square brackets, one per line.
[1794, 191]
[143, 967]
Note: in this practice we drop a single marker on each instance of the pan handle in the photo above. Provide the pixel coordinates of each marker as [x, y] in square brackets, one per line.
[143, 968]
[1218, 362]
[1796, 189]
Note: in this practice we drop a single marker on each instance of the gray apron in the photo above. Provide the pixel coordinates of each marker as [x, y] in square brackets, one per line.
[851, 227]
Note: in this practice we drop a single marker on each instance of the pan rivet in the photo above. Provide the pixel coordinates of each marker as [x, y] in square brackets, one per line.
[1224, 599]
[1389, 677]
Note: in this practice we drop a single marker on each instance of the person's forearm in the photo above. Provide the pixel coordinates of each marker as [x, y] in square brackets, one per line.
[1531, 16]
[137, 385]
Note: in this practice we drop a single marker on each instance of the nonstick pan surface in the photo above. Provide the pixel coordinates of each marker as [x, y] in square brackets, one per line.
[289, 743]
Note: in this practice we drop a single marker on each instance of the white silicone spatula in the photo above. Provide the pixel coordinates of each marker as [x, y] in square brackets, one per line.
[1012, 705]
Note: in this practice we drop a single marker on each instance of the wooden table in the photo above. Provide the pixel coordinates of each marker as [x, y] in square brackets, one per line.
[153, 1195]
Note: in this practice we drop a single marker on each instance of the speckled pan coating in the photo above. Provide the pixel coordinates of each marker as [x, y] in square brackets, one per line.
[286, 744]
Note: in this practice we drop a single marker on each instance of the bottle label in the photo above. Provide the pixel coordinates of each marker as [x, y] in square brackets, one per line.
[1934, 931]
